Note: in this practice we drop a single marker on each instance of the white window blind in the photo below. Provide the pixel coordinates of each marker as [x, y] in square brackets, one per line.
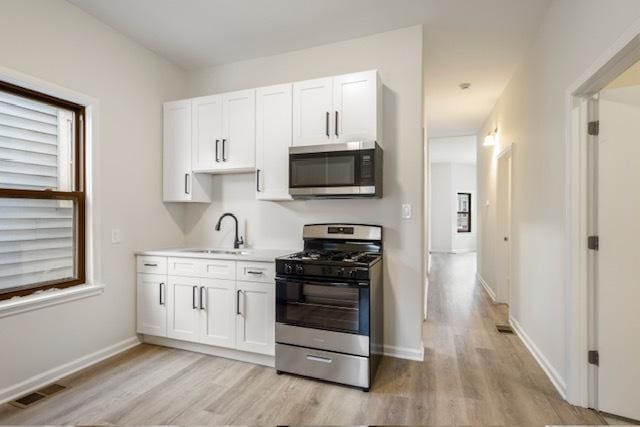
[36, 235]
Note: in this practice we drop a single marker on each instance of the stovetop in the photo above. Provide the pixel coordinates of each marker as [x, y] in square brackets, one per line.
[327, 264]
[334, 257]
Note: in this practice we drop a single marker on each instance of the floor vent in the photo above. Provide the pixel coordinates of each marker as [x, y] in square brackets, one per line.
[37, 396]
[504, 329]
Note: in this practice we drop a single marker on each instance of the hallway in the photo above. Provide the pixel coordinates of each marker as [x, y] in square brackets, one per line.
[470, 375]
[481, 376]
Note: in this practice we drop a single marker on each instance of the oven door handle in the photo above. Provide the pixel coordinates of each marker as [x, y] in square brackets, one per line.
[319, 283]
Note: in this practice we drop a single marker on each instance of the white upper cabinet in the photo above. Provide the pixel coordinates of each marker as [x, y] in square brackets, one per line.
[273, 139]
[355, 107]
[224, 132]
[180, 184]
[207, 132]
[252, 130]
[237, 149]
[343, 108]
[312, 106]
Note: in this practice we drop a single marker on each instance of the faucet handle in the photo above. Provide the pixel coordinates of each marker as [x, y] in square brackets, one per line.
[241, 240]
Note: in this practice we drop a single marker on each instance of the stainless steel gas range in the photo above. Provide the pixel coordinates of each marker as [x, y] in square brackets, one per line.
[329, 305]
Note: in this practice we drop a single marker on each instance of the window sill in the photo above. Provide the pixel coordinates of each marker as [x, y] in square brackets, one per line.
[48, 298]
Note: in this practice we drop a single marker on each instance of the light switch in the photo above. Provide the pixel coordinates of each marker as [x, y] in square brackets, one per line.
[115, 236]
[406, 211]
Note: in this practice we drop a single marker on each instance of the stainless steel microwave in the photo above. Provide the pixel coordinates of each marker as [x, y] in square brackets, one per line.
[346, 170]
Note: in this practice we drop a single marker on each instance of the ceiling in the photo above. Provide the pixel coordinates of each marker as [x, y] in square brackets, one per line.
[476, 41]
[453, 150]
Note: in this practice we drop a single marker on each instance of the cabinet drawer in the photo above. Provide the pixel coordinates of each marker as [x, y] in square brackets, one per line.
[198, 267]
[256, 271]
[218, 269]
[325, 365]
[183, 267]
[152, 264]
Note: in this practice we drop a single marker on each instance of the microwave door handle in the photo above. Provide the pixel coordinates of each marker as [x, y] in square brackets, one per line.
[326, 125]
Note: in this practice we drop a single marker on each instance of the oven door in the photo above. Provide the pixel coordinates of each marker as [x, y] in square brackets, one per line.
[330, 306]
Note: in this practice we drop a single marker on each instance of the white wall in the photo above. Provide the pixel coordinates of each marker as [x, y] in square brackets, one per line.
[398, 57]
[453, 161]
[531, 115]
[447, 180]
[464, 181]
[441, 207]
[56, 42]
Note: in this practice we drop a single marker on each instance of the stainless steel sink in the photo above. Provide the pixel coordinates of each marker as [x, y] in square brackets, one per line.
[219, 251]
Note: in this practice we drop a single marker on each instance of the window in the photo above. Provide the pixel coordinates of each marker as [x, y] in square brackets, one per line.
[42, 198]
[464, 212]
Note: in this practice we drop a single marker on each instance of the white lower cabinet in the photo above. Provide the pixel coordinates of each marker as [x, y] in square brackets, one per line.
[218, 319]
[219, 312]
[183, 309]
[256, 319]
[151, 304]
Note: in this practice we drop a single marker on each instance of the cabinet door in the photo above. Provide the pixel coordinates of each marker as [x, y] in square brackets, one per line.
[151, 304]
[256, 321]
[207, 132]
[183, 308]
[355, 107]
[218, 317]
[312, 106]
[239, 130]
[177, 151]
[273, 139]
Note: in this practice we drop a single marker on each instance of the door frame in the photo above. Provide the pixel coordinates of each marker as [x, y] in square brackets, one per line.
[624, 52]
[503, 294]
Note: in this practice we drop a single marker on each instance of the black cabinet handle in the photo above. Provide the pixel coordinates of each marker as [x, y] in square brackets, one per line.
[201, 299]
[186, 183]
[161, 289]
[193, 297]
[258, 180]
[146, 264]
[337, 124]
[238, 302]
[254, 272]
[217, 156]
[224, 156]
[326, 124]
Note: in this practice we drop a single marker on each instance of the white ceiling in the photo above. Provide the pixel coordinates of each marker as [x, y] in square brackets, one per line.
[479, 41]
[460, 149]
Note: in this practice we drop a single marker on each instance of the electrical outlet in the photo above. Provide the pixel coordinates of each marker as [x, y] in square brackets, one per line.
[406, 211]
[115, 236]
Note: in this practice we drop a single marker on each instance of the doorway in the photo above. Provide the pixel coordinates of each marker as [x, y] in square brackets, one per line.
[605, 166]
[503, 216]
[615, 172]
[453, 195]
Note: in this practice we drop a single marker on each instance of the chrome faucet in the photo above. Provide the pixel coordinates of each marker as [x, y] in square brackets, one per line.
[237, 241]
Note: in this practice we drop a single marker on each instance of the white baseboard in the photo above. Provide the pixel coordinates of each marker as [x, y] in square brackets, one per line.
[553, 375]
[40, 380]
[404, 352]
[227, 353]
[486, 287]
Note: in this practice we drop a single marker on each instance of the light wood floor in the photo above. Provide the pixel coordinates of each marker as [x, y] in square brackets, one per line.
[470, 375]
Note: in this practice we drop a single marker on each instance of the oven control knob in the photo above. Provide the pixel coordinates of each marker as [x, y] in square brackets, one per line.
[352, 273]
[288, 269]
[299, 269]
[340, 272]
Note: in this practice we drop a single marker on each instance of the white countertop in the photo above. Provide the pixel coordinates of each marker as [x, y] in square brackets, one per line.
[248, 254]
